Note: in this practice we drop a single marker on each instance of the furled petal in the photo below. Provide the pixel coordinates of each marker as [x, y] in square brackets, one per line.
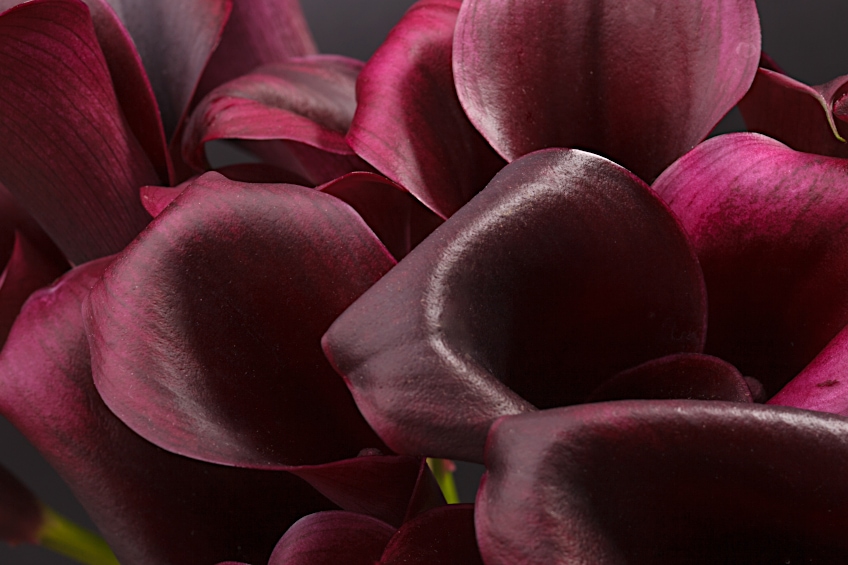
[66, 152]
[21, 515]
[822, 385]
[409, 124]
[258, 32]
[768, 225]
[398, 219]
[638, 82]
[800, 116]
[684, 375]
[205, 333]
[672, 482]
[152, 506]
[442, 536]
[565, 270]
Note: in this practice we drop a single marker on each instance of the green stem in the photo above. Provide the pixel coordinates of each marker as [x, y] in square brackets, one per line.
[443, 471]
[66, 538]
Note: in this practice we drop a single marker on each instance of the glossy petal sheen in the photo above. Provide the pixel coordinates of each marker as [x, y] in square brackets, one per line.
[798, 115]
[152, 506]
[21, 514]
[640, 82]
[665, 482]
[769, 226]
[66, 152]
[409, 124]
[563, 271]
[205, 332]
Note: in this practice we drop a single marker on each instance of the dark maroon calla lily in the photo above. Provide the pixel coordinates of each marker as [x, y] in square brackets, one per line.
[564, 271]
[21, 515]
[665, 482]
[768, 225]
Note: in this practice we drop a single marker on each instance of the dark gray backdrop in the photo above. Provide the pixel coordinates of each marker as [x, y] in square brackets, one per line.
[806, 38]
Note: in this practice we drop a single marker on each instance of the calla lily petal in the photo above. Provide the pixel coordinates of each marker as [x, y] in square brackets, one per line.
[684, 375]
[409, 124]
[68, 156]
[563, 271]
[638, 83]
[205, 333]
[442, 536]
[800, 116]
[674, 482]
[151, 506]
[21, 515]
[768, 224]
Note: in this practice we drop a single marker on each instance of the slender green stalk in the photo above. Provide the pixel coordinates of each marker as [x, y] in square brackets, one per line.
[67, 538]
[443, 471]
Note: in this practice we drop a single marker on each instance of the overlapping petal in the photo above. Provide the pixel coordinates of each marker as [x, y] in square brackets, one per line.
[665, 482]
[67, 154]
[409, 124]
[563, 271]
[638, 82]
[769, 227]
[151, 506]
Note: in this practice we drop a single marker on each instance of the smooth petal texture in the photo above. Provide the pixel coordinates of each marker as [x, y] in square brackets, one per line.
[565, 270]
[308, 100]
[442, 536]
[641, 83]
[151, 506]
[822, 385]
[205, 332]
[768, 225]
[665, 482]
[798, 115]
[67, 154]
[399, 220]
[685, 375]
[330, 538]
[409, 124]
[21, 515]
[258, 32]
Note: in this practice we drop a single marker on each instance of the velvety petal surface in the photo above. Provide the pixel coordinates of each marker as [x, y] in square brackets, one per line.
[151, 506]
[442, 536]
[563, 271]
[21, 514]
[638, 82]
[205, 332]
[768, 225]
[67, 154]
[409, 124]
[799, 115]
[690, 376]
[665, 482]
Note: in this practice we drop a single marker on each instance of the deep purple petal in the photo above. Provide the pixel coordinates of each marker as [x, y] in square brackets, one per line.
[768, 225]
[671, 482]
[442, 536]
[21, 514]
[638, 83]
[205, 333]
[409, 124]
[152, 506]
[66, 153]
[800, 116]
[399, 220]
[330, 538]
[565, 270]
[690, 376]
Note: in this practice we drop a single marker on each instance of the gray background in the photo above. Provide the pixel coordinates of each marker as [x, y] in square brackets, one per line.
[806, 38]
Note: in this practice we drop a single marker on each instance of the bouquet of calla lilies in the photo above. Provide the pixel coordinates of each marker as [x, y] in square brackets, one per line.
[503, 239]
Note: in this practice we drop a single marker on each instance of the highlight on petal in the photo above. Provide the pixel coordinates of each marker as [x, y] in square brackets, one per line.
[563, 271]
[641, 83]
[768, 225]
[690, 376]
[409, 124]
[21, 515]
[151, 506]
[674, 481]
[66, 152]
[205, 332]
[798, 115]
